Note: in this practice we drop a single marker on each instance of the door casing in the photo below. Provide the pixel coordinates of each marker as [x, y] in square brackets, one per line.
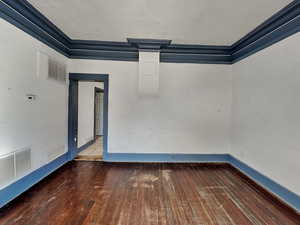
[73, 110]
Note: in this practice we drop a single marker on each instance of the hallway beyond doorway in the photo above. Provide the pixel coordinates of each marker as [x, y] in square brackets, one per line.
[93, 152]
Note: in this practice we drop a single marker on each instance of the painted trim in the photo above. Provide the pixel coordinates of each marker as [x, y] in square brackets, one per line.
[158, 157]
[85, 146]
[73, 119]
[195, 58]
[281, 25]
[278, 27]
[104, 54]
[14, 190]
[278, 190]
[27, 18]
[75, 77]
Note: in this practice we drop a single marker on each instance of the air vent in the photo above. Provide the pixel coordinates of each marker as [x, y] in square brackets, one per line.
[14, 165]
[7, 169]
[56, 71]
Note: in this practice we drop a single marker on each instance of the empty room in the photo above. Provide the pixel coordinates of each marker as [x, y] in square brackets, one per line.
[148, 112]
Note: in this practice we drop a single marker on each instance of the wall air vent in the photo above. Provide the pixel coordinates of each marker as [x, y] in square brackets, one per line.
[57, 71]
[7, 169]
[14, 165]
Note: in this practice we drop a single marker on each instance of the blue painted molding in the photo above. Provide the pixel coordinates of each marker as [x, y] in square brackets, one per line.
[27, 18]
[149, 44]
[104, 55]
[12, 191]
[134, 157]
[195, 58]
[283, 193]
[281, 25]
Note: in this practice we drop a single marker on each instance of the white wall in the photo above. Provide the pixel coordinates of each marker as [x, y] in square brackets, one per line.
[86, 91]
[99, 110]
[266, 112]
[41, 124]
[190, 115]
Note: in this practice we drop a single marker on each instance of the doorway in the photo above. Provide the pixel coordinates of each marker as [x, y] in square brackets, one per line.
[84, 144]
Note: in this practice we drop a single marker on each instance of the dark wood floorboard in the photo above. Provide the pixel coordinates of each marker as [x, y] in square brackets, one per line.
[94, 193]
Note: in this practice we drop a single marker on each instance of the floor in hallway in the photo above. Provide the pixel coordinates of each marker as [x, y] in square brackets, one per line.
[93, 152]
[96, 193]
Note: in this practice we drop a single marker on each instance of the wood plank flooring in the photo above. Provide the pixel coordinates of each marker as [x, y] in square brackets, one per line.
[93, 193]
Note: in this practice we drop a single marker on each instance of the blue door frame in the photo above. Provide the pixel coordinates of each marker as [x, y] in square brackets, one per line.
[73, 111]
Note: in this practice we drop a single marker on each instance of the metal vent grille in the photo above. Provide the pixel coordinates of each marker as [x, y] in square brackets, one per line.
[14, 165]
[7, 169]
[57, 71]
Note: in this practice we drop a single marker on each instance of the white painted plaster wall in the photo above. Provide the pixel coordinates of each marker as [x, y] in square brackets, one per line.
[40, 124]
[86, 91]
[191, 114]
[266, 112]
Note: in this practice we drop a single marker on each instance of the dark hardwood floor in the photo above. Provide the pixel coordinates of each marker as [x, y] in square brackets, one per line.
[92, 193]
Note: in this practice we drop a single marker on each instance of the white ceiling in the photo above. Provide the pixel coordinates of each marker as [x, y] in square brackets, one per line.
[212, 22]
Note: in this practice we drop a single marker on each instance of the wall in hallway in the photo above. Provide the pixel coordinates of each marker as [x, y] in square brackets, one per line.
[191, 114]
[86, 91]
[265, 112]
[99, 110]
[41, 124]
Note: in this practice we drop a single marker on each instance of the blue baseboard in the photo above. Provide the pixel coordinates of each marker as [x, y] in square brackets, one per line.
[281, 192]
[85, 146]
[133, 157]
[15, 189]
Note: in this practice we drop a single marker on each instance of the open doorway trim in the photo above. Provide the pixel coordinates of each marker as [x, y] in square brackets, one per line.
[74, 78]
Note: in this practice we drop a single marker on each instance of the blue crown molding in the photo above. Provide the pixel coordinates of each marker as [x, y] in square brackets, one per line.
[103, 55]
[28, 11]
[24, 16]
[195, 58]
[281, 25]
